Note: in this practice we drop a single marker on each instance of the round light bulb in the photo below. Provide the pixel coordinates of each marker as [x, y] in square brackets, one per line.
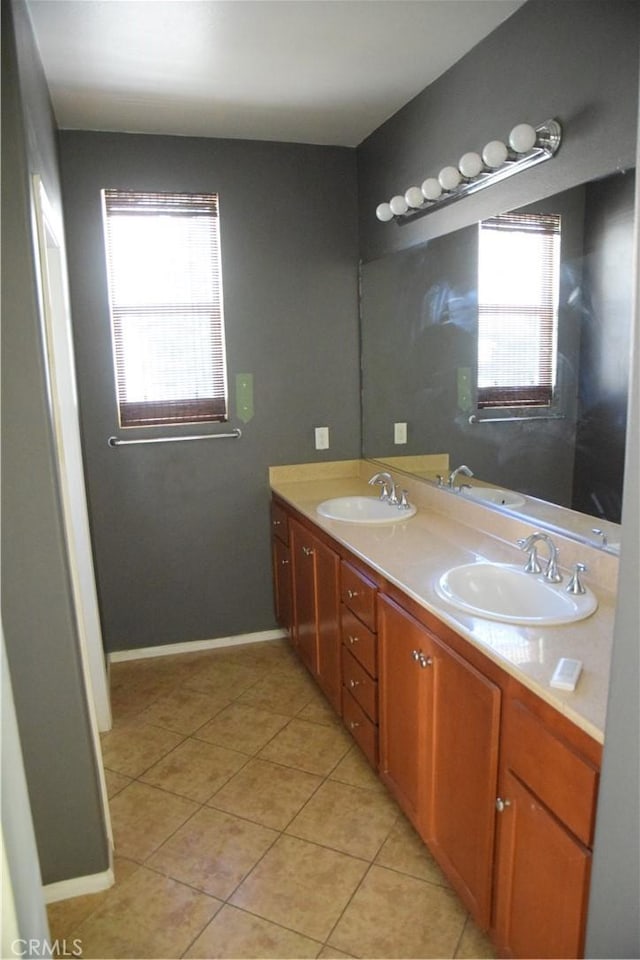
[398, 205]
[431, 189]
[384, 212]
[522, 138]
[414, 197]
[449, 178]
[470, 165]
[495, 153]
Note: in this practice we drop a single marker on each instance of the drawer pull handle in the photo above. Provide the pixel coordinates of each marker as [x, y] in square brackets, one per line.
[415, 654]
[353, 640]
[501, 804]
[353, 724]
[284, 562]
[277, 523]
[308, 551]
[352, 593]
[354, 683]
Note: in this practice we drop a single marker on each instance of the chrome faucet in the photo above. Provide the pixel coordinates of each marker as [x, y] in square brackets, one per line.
[454, 474]
[388, 491]
[552, 574]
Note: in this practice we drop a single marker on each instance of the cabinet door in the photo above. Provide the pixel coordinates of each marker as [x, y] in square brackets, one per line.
[327, 579]
[542, 879]
[282, 588]
[463, 777]
[405, 707]
[303, 546]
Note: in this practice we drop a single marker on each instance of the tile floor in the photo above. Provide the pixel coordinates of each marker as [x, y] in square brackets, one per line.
[248, 824]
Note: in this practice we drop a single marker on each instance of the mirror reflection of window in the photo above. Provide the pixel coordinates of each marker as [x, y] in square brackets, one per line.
[518, 285]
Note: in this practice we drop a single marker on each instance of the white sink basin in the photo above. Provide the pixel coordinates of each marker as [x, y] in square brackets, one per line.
[504, 498]
[503, 592]
[363, 510]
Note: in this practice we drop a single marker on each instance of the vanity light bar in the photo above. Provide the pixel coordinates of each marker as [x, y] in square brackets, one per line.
[526, 147]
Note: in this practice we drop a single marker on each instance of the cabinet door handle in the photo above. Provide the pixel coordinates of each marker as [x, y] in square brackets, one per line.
[352, 593]
[353, 640]
[308, 551]
[501, 804]
[421, 658]
[277, 523]
[284, 562]
[354, 683]
[353, 724]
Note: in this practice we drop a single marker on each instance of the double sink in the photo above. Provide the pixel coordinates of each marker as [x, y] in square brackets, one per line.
[496, 591]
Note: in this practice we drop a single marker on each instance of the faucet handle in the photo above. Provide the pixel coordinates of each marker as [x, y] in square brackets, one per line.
[404, 503]
[532, 565]
[575, 584]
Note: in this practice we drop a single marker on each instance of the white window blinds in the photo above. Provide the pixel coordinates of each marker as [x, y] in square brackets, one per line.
[165, 292]
[518, 281]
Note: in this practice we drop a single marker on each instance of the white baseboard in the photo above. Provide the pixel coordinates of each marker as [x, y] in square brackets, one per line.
[194, 646]
[78, 886]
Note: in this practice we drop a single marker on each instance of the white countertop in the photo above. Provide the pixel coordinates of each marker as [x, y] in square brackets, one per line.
[413, 554]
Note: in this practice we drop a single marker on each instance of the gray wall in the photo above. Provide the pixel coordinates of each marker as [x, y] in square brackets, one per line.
[575, 61]
[181, 531]
[37, 609]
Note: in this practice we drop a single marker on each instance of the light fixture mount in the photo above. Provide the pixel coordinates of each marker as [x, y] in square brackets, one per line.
[526, 147]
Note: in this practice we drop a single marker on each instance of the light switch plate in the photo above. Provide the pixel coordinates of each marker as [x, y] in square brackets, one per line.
[322, 438]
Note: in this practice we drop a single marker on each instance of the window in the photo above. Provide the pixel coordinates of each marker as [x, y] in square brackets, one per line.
[165, 292]
[518, 280]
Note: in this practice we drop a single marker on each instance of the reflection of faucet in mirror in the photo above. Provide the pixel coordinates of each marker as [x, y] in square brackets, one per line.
[464, 469]
[602, 542]
[388, 491]
[552, 574]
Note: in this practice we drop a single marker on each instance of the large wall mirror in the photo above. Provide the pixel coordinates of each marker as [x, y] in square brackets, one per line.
[420, 362]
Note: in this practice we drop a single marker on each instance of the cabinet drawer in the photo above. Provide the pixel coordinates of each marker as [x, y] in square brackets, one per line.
[364, 732]
[279, 522]
[565, 782]
[360, 685]
[359, 594]
[359, 640]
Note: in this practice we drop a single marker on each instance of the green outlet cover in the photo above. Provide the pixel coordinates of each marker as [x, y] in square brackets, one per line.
[244, 396]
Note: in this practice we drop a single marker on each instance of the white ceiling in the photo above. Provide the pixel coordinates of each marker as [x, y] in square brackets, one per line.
[310, 71]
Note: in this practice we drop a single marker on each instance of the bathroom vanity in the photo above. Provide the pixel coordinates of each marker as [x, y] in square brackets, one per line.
[497, 771]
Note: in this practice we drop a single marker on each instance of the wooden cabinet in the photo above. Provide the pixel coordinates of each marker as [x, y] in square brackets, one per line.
[499, 785]
[316, 596]
[439, 732]
[548, 789]
[281, 563]
[406, 708]
[359, 659]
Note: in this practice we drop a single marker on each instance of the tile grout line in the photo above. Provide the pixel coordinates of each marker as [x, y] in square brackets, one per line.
[209, 803]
